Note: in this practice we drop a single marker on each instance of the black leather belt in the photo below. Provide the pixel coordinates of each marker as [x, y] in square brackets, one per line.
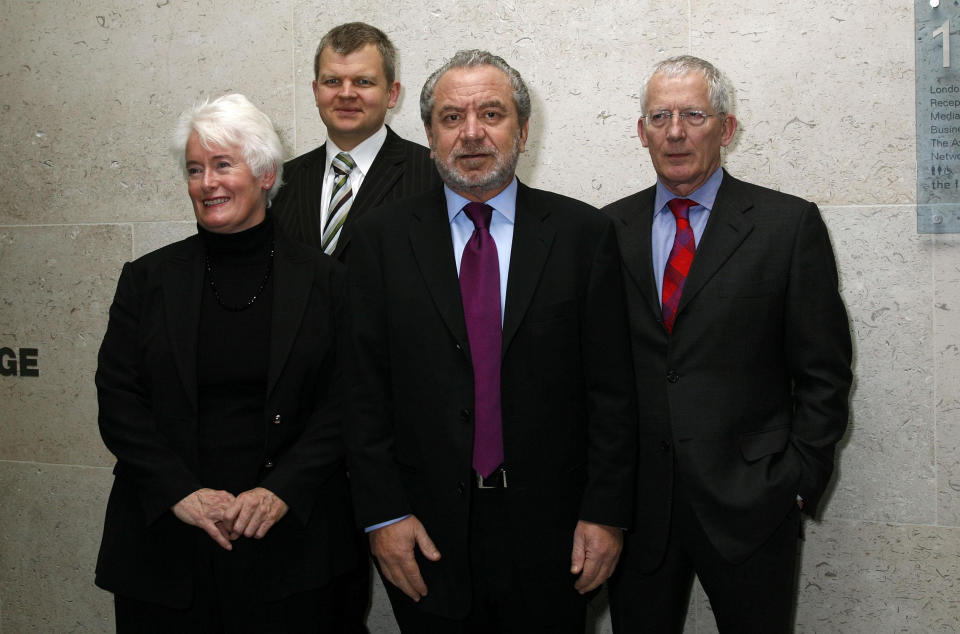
[496, 480]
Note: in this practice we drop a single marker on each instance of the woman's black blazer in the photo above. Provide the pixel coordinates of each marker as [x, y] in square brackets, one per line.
[147, 392]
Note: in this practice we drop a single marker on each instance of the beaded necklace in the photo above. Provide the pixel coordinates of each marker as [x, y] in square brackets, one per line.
[208, 261]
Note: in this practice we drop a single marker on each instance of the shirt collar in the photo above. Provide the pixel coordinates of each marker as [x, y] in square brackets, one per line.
[705, 195]
[363, 154]
[505, 202]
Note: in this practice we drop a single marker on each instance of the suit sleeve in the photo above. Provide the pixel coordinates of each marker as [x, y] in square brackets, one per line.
[819, 355]
[369, 431]
[611, 394]
[126, 415]
[318, 452]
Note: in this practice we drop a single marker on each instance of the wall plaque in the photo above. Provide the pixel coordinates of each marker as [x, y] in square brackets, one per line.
[22, 362]
[938, 115]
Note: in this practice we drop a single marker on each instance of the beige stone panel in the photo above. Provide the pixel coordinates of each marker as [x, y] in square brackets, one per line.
[582, 62]
[91, 93]
[150, 236]
[51, 525]
[946, 351]
[598, 614]
[825, 94]
[380, 619]
[861, 577]
[700, 619]
[886, 469]
[57, 286]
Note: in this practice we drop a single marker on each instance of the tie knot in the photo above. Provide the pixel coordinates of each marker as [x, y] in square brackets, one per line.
[343, 164]
[480, 214]
[680, 207]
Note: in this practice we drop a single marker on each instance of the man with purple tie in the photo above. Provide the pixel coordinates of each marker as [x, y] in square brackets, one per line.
[742, 355]
[493, 419]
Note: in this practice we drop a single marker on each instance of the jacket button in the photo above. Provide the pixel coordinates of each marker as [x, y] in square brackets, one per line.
[465, 415]
[276, 419]
[672, 376]
[268, 464]
[664, 446]
[461, 487]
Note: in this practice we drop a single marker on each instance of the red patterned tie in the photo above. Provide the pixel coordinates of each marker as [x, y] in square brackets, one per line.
[678, 264]
[480, 291]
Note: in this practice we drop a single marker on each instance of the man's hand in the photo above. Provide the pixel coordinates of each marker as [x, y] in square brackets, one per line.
[253, 513]
[393, 547]
[596, 550]
[205, 509]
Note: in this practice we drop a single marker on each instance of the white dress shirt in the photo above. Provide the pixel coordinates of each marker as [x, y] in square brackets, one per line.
[363, 155]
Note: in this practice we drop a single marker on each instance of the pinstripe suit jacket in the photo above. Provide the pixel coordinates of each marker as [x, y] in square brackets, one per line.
[402, 168]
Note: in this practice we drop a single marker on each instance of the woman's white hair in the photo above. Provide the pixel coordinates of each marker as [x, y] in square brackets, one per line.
[233, 121]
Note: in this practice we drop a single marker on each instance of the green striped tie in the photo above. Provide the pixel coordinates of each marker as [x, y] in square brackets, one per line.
[340, 201]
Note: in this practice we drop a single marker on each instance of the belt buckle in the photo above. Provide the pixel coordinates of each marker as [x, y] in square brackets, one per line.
[501, 472]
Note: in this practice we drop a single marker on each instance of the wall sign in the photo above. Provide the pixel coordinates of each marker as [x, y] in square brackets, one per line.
[19, 362]
[938, 115]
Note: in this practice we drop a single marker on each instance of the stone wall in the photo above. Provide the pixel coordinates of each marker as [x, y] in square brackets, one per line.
[90, 90]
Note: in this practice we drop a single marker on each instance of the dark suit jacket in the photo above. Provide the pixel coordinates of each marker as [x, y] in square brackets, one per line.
[567, 393]
[746, 401]
[402, 168]
[147, 390]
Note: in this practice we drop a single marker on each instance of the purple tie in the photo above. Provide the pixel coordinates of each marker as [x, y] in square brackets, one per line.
[480, 290]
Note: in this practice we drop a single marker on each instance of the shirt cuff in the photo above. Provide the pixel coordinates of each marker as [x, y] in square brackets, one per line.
[370, 529]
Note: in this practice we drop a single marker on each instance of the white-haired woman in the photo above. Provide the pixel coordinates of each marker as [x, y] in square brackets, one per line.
[220, 396]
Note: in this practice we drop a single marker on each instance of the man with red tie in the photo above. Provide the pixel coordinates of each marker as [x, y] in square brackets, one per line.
[742, 354]
[492, 436]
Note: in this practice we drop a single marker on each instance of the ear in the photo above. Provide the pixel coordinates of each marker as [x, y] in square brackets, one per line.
[426, 129]
[729, 127]
[524, 130]
[268, 179]
[316, 93]
[393, 94]
[642, 132]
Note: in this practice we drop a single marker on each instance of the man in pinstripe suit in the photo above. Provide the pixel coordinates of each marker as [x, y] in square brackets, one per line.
[354, 86]
[363, 163]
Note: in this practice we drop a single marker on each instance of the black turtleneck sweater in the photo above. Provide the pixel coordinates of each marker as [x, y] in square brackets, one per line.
[232, 356]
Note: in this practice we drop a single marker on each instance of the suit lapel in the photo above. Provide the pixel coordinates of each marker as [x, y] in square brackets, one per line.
[727, 228]
[635, 245]
[532, 237]
[292, 281]
[182, 292]
[433, 250]
[307, 201]
[385, 171]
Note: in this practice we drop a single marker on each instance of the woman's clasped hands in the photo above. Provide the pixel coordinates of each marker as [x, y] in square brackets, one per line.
[225, 517]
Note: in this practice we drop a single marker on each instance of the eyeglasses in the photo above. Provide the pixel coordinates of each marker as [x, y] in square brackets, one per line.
[693, 118]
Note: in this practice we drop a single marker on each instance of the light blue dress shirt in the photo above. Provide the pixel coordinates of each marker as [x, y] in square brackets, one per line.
[502, 221]
[665, 225]
[501, 228]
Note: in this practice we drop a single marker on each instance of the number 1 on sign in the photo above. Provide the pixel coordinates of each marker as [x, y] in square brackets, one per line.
[944, 31]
